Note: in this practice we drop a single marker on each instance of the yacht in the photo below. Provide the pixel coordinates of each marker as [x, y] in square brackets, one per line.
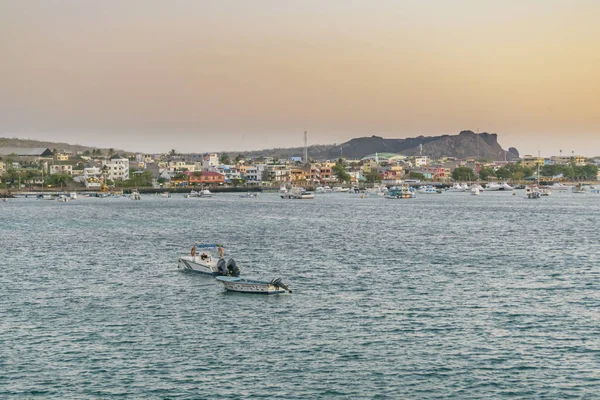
[506, 186]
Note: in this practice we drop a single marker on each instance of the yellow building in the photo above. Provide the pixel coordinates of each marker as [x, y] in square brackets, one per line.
[531, 161]
[62, 157]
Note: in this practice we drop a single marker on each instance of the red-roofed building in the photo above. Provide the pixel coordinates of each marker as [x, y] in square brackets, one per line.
[206, 178]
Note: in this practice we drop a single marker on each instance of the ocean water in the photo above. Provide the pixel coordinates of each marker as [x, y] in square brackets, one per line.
[446, 296]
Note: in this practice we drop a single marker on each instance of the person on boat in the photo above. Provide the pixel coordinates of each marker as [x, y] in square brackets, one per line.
[221, 252]
[193, 252]
[203, 256]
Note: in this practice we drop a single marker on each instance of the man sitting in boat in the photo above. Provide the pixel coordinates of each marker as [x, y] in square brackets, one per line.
[203, 256]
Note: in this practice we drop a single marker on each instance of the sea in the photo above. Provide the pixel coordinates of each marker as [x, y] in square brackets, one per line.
[447, 296]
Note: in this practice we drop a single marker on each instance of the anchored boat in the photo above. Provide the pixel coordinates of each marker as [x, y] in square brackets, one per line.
[202, 260]
[235, 284]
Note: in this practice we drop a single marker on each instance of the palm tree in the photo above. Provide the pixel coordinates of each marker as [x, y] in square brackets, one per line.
[172, 152]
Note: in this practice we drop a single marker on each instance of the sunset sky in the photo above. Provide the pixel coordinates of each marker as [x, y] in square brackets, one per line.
[210, 75]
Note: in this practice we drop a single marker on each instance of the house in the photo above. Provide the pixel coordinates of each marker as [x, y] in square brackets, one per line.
[62, 157]
[61, 169]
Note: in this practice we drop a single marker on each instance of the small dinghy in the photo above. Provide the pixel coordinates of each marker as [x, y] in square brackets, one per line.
[235, 284]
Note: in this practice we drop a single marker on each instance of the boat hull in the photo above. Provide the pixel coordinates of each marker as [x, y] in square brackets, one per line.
[195, 265]
[240, 285]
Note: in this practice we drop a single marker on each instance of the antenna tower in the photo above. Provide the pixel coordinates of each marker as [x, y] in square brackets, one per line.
[305, 148]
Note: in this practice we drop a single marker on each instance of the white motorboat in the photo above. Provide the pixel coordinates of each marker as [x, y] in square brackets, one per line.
[166, 195]
[354, 190]
[202, 260]
[62, 197]
[557, 186]
[506, 186]
[235, 284]
[73, 196]
[319, 189]
[579, 189]
[475, 191]
[282, 189]
[378, 190]
[135, 195]
[249, 195]
[205, 193]
[492, 186]
[298, 195]
[429, 190]
[458, 187]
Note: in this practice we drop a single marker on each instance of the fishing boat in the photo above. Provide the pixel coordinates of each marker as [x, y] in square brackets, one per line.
[403, 192]
[203, 260]
[533, 192]
[235, 284]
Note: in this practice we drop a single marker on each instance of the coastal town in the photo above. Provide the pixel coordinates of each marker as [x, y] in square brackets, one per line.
[30, 168]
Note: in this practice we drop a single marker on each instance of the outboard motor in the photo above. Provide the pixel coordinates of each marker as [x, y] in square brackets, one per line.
[279, 283]
[222, 267]
[232, 267]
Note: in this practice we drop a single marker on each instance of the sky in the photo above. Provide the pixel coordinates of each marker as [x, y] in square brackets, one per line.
[226, 75]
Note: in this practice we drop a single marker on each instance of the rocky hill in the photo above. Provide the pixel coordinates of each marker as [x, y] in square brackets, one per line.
[28, 143]
[465, 144]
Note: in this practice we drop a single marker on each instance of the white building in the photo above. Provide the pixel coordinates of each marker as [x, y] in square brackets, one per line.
[117, 168]
[421, 161]
[210, 161]
[61, 169]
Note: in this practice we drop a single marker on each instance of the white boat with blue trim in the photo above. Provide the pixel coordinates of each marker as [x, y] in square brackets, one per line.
[202, 260]
[241, 285]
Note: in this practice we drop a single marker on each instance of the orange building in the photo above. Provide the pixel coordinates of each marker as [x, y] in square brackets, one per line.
[206, 178]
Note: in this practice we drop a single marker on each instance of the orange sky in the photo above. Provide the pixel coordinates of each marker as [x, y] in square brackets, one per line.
[227, 75]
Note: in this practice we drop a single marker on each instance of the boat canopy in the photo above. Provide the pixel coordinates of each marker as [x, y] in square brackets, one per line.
[208, 246]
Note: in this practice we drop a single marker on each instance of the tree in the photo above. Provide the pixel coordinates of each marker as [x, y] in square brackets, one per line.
[416, 175]
[373, 177]
[172, 152]
[485, 173]
[340, 173]
[503, 173]
[463, 174]
[239, 158]
[224, 159]
[59, 179]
